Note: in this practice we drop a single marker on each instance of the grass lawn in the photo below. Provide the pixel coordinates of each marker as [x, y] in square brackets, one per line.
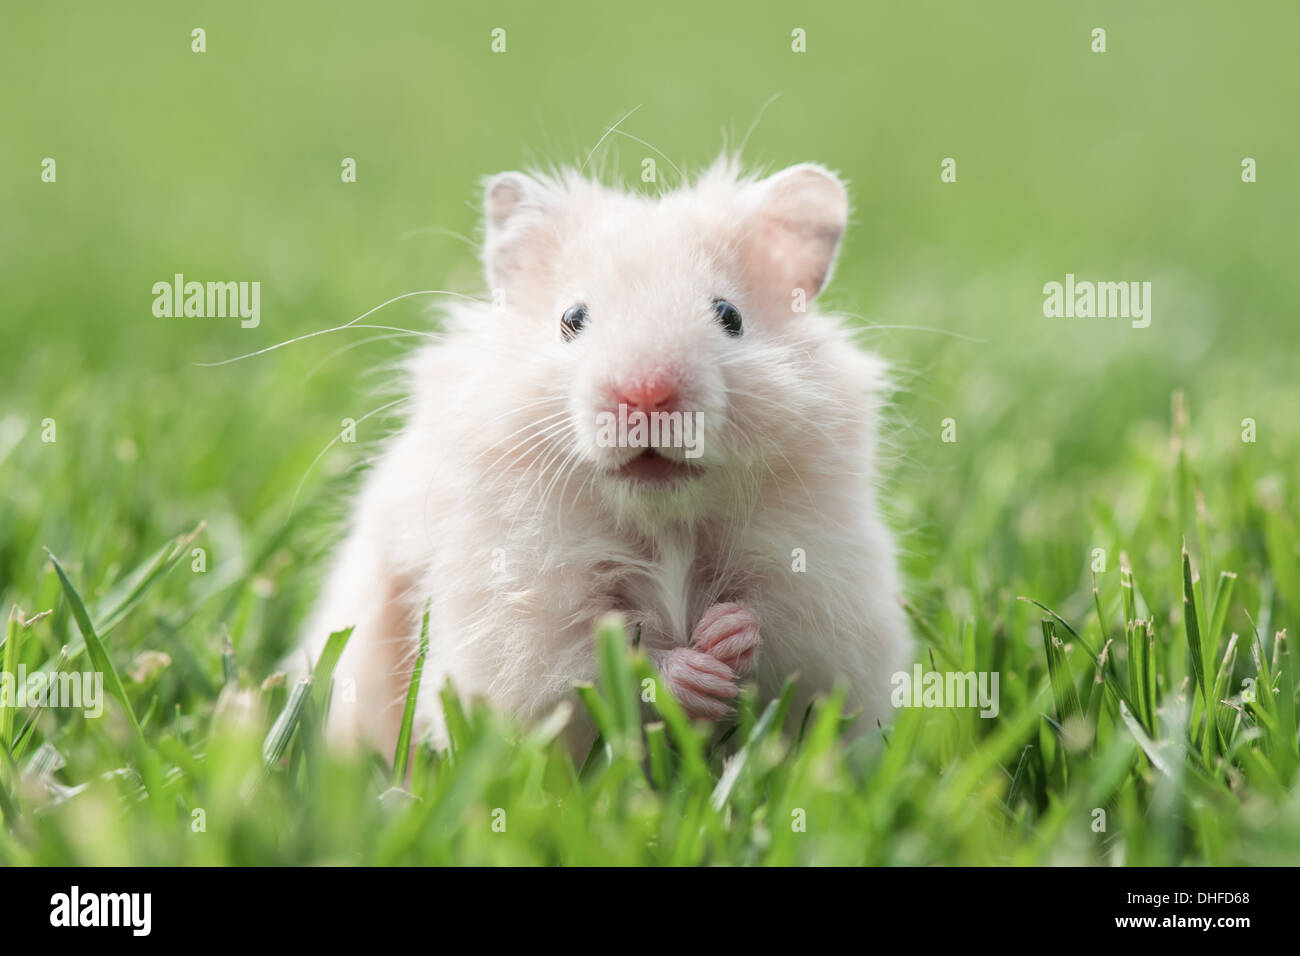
[1101, 514]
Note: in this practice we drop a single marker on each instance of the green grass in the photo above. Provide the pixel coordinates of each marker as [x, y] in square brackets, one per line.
[226, 771]
[1072, 435]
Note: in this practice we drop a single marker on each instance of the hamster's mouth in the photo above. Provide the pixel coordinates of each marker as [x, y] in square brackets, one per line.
[653, 469]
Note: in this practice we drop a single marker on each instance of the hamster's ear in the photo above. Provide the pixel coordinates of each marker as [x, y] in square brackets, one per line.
[516, 209]
[792, 234]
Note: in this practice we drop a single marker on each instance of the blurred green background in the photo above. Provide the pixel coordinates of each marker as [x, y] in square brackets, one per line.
[225, 165]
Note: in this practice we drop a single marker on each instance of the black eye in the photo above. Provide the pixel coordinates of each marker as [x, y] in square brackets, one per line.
[573, 320]
[728, 316]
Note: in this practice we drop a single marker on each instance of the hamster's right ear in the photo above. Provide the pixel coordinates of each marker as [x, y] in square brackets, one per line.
[519, 236]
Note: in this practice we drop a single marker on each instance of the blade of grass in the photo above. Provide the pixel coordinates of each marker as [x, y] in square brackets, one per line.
[1221, 679]
[150, 772]
[8, 674]
[1192, 627]
[281, 733]
[1058, 670]
[229, 662]
[660, 756]
[1101, 615]
[1128, 591]
[322, 674]
[773, 715]
[618, 686]
[127, 594]
[1149, 672]
[136, 587]
[95, 648]
[454, 716]
[1285, 756]
[1136, 670]
[1148, 746]
[25, 734]
[597, 707]
[412, 694]
[1219, 612]
[1107, 667]
[690, 747]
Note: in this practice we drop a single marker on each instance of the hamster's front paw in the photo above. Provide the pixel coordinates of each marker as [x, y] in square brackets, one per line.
[699, 682]
[702, 677]
[729, 633]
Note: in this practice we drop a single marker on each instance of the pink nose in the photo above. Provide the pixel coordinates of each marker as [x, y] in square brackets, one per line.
[652, 393]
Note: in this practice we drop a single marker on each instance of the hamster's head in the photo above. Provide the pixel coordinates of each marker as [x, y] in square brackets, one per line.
[671, 334]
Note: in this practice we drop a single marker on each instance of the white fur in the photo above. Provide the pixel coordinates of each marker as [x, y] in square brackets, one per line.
[498, 452]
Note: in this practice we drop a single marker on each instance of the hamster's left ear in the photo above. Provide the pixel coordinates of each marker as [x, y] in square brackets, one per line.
[792, 234]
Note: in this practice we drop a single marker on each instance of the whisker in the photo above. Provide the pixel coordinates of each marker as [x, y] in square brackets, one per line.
[605, 135]
[558, 462]
[355, 345]
[515, 410]
[638, 139]
[872, 327]
[536, 431]
[564, 469]
[297, 491]
[440, 231]
[754, 125]
[346, 325]
[312, 335]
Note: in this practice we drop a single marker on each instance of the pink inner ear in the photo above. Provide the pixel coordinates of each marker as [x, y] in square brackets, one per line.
[507, 195]
[785, 255]
[518, 243]
[504, 196]
[795, 233]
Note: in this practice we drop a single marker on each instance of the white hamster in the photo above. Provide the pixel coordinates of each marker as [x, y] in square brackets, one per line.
[747, 545]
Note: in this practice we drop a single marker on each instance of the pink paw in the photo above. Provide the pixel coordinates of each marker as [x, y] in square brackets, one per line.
[702, 677]
[728, 632]
[700, 683]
